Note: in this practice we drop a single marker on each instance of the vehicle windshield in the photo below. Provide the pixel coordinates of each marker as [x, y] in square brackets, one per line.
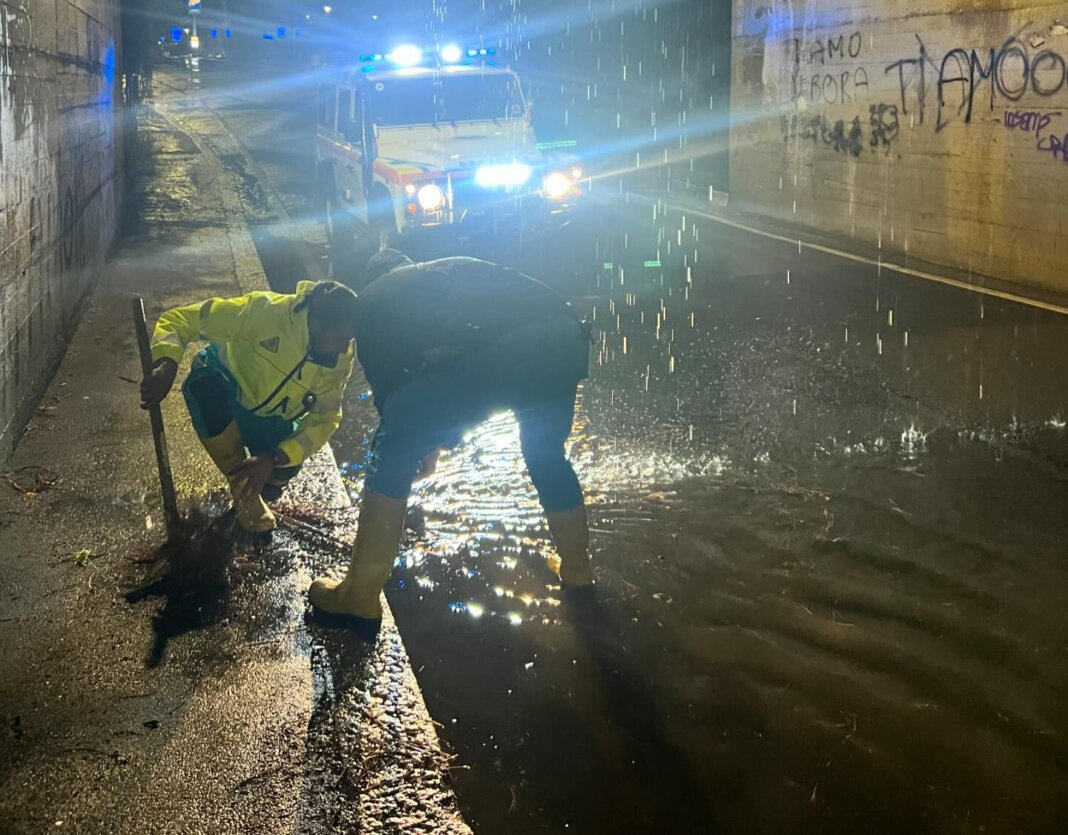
[445, 98]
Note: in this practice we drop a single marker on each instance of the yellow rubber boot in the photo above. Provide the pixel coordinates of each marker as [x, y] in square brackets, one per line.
[373, 555]
[227, 450]
[571, 535]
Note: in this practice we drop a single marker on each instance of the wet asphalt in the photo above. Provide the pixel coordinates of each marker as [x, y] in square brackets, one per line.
[161, 682]
[827, 504]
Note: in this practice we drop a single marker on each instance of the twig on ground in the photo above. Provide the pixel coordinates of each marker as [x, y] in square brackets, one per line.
[43, 479]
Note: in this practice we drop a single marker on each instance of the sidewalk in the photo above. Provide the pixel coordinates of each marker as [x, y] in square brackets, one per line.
[207, 709]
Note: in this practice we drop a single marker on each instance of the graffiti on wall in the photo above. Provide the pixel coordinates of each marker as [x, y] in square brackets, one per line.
[929, 88]
[816, 73]
[819, 130]
[1055, 145]
[1037, 122]
[883, 126]
[965, 79]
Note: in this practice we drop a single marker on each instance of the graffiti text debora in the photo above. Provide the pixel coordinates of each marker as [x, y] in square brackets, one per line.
[830, 88]
[824, 83]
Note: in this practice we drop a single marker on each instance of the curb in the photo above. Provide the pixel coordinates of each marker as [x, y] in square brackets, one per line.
[248, 268]
[374, 734]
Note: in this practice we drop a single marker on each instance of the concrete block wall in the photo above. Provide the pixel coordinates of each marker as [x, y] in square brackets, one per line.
[60, 183]
[933, 127]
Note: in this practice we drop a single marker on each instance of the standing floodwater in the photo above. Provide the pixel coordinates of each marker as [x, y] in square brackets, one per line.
[832, 573]
[828, 515]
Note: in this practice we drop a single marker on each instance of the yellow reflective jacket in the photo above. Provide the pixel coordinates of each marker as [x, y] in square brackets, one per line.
[263, 343]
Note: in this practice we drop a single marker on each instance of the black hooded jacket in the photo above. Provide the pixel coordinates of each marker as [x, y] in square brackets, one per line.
[422, 315]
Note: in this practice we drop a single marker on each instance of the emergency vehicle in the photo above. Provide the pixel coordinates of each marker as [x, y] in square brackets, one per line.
[408, 140]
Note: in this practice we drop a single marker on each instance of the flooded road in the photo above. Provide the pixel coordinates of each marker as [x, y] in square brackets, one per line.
[832, 574]
[828, 520]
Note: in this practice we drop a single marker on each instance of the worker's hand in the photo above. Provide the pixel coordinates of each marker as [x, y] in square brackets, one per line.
[254, 471]
[156, 385]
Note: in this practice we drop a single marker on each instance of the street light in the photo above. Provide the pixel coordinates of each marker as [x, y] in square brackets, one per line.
[328, 9]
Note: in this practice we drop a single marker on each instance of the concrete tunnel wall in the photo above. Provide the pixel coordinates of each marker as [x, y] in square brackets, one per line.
[60, 169]
[933, 127]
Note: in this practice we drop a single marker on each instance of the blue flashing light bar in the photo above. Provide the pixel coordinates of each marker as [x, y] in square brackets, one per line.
[267, 36]
[176, 34]
[404, 55]
[214, 33]
[281, 32]
[229, 34]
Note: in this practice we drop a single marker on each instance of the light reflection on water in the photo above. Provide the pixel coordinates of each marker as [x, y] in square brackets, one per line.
[482, 509]
[841, 602]
[836, 585]
[817, 583]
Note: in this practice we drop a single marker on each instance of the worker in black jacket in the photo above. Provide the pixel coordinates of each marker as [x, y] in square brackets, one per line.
[444, 345]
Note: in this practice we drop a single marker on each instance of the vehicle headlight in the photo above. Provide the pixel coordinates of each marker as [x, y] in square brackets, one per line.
[407, 55]
[431, 197]
[556, 185]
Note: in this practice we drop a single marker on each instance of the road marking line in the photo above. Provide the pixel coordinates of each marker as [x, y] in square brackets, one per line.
[887, 265]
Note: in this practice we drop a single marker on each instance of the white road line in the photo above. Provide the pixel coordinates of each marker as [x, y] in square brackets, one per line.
[886, 265]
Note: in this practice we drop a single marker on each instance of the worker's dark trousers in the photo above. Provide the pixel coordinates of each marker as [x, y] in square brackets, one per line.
[533, 371]
[211, 395]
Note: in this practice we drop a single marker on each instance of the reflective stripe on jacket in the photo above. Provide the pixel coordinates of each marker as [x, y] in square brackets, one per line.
[263, 342]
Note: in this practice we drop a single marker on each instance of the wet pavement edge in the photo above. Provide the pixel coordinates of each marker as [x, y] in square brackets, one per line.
[245, 721]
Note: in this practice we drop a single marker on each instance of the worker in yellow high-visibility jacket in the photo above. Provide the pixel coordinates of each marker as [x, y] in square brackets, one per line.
[271, 380]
